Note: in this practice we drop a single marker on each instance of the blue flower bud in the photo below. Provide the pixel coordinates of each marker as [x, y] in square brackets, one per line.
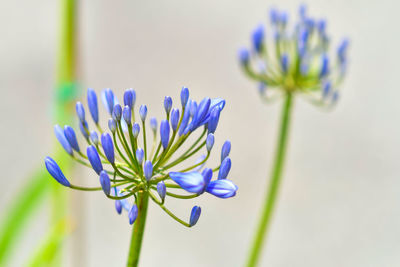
[244, 56]
[92, 103]
[202, 112]
[184, 96]
[335, 97]
[192, 182]
[135, 130]
[210, 142]
[342, 50]
[108, 147]
[273, 16]
[112, 125]
[71, 137]
[127, 114]
[321, 26]
[55, 171]
[174, 118]
[258, 38]
[162, 190]
[326, 89]
[224, 168]
[262, 88]
[284, 17]
[94, 159]
[193, 108]
[80, 111]
[84, 128]
[109, 100]
[167, 104]
[194, 215]
[143, 112]
[133, 213]
[186, 117]
[324, 66]
[153, 124]
[302, 11]
[94, 138]
[118, 206]
[140, 155]
[226, 149]
[207, 175]
[213, 121]
[129, 96]
[222, 188]
[164, 133]
[105, 182]
[148, 170]
[285, 63]
[62, 139]
[117, 112]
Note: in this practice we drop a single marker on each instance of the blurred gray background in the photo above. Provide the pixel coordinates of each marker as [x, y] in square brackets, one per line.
[340, 198]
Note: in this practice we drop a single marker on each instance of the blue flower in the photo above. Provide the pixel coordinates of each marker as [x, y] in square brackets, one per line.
[127, 114]
[210, 142]
[105, 182]
[192, 182]
[164, 133]
[140, 168]
[225, 168]
[108, 147]
[112, 125]
[135, 130]
[93, 106]
[301, 52]
[174, 119]
[62, 139]
[94, 159]
[71, 137]
[140, 155]
[222, 188]
[117, 112]
[258, 38]
[226, 149]
[167, 104]
[129, 98]
[80, 111]
[143, 112]
[133, 214]
[148, 170]
[55, 171]
[194, 215]
[94, 137]
[162, 190]
[184, 96]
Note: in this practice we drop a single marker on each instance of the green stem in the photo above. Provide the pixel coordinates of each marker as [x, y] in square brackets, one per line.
[138, 230]
[270, 199]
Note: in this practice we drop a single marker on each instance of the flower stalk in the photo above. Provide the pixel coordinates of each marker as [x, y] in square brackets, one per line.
[138, 230]
[273, 188]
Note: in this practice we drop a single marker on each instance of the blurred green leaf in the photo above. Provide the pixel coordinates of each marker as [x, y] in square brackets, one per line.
[23, 206]
[47, 253]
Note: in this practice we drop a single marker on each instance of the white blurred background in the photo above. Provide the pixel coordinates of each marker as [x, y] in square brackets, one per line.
[340, 198]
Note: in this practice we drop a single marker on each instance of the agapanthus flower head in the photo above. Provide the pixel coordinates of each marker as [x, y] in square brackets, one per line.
[295, 59]
[128, 165]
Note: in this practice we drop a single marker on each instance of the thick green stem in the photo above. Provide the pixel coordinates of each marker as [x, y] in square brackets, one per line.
[138, 230]
[270, 199]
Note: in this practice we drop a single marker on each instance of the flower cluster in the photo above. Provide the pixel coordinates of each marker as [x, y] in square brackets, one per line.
[295, 59]
[126, 165]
